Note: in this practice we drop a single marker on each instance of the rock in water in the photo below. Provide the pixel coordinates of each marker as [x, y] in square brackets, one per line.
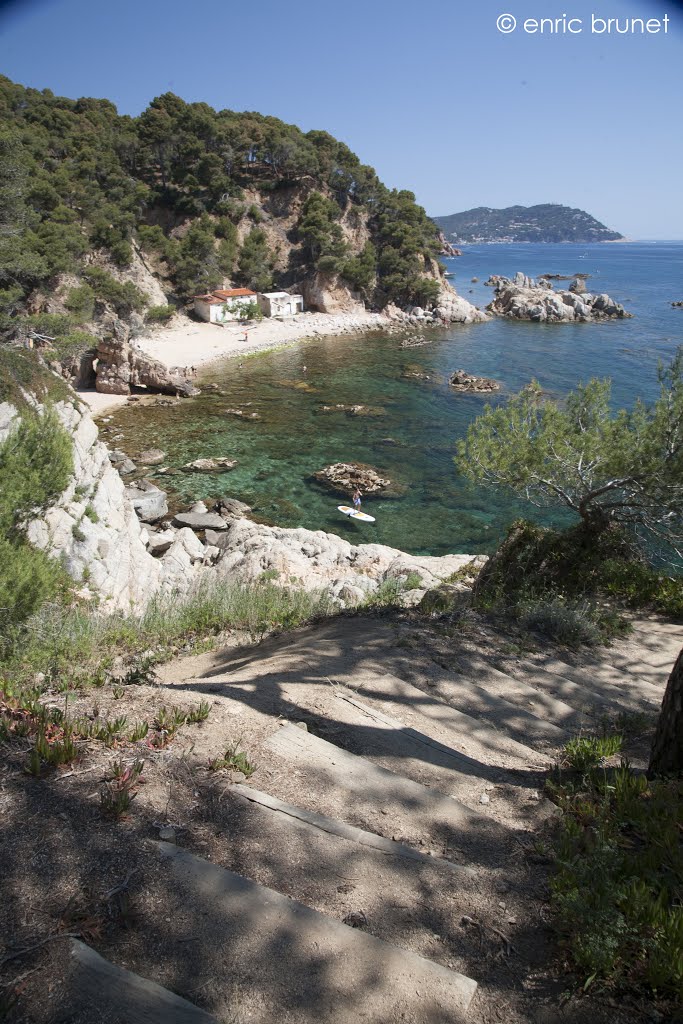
[344, 477]
[522, 298]
[220, 465]
[152, 457]
[462, 381]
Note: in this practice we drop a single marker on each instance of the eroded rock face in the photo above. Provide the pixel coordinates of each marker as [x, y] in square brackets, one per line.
[121, 367]
[462, 381]
[327, 294]
[522, 298]
[344, 477]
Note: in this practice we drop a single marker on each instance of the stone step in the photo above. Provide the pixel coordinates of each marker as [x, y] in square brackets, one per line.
[278, 959]
[379, 799]
[613, 686]
[426, 714]
[334, 827]
[106, 992]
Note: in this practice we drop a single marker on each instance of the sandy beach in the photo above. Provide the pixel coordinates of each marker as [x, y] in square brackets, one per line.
[188, 344]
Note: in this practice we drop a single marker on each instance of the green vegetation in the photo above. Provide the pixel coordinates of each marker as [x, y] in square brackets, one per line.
[234, 759]
[548, 222]
[159, 314]
[620, 476]
[255, 263]
[36, 463]
[605, 468]
[619, 873]
[566, 583]
[70, 641]
[76, 178]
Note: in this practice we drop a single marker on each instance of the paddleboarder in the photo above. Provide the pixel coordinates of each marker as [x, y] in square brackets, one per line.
[357, 499]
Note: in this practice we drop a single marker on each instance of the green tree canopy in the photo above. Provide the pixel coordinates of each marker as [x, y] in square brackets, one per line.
[624, 467]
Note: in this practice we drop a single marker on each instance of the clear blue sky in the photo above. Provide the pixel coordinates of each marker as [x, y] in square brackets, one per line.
[431, 94]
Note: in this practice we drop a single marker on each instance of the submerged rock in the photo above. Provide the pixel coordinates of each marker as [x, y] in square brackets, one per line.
[218, 465]
[152, 457]
[354, 410]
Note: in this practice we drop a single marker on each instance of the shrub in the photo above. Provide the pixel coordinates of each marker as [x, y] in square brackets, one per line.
[123, 296]
[36, 462]
[73, 344]
[569, 623]
[616, 890]
[159, 314]
[81, 302]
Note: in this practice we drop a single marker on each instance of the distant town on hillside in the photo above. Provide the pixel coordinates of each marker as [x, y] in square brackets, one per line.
[547, 222]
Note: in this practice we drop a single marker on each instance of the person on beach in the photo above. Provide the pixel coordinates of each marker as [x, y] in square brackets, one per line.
[246, 336]
[357, 499]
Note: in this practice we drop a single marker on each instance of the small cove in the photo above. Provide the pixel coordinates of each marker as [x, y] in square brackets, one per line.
[413, 423]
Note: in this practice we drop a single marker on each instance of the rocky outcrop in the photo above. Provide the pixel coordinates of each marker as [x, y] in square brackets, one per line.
[328, 294]
[315, 559]
[463, 381]
[94, 530]
[522, 298]
[344, 477]
[449, 308]
[120, 367]
[446, 248]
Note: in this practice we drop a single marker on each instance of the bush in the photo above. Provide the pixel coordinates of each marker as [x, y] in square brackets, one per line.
[81, 302]
[569, 623]
[558, 580]
[123, 296]
[616, 891]
[159, 314]
[36, 462]
[73, 344]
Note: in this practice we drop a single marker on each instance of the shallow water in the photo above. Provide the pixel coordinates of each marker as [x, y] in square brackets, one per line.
[415, 423]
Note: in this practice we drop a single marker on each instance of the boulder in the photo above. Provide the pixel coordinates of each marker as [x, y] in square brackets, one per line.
[200, 520]
[578, 286]
[231, 508]
[219, 465]
[152, 457]
[199, 506]
[148, 500]
[462, 381]
[159, 543]
[344, 477]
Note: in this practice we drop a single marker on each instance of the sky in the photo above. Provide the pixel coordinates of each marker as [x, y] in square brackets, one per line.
[434, 95]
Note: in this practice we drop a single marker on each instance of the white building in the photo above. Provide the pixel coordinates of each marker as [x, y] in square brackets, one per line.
[280, 303]
[224, 304]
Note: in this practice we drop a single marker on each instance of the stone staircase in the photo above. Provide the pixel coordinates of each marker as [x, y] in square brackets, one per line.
[386, 858]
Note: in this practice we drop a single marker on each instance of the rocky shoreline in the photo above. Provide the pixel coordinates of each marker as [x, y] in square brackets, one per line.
[122, 548]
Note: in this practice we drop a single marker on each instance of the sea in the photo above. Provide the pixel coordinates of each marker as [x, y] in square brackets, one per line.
[414, 422]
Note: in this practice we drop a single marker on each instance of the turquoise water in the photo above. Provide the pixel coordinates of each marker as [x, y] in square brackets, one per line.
[416, 424]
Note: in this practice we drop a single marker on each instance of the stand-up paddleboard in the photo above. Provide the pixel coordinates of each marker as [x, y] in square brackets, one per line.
[351, 512]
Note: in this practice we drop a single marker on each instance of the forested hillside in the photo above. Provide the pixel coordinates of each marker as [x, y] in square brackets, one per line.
[189, 197]
[547, 222]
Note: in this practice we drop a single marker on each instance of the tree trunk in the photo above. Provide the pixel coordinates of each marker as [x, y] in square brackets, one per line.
[667, 748]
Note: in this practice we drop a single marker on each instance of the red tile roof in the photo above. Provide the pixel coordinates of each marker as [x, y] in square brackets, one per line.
[233, 293]
[211, 299]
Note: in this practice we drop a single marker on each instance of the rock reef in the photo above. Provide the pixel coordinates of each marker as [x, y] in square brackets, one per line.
[523, 298]
[463, 381]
